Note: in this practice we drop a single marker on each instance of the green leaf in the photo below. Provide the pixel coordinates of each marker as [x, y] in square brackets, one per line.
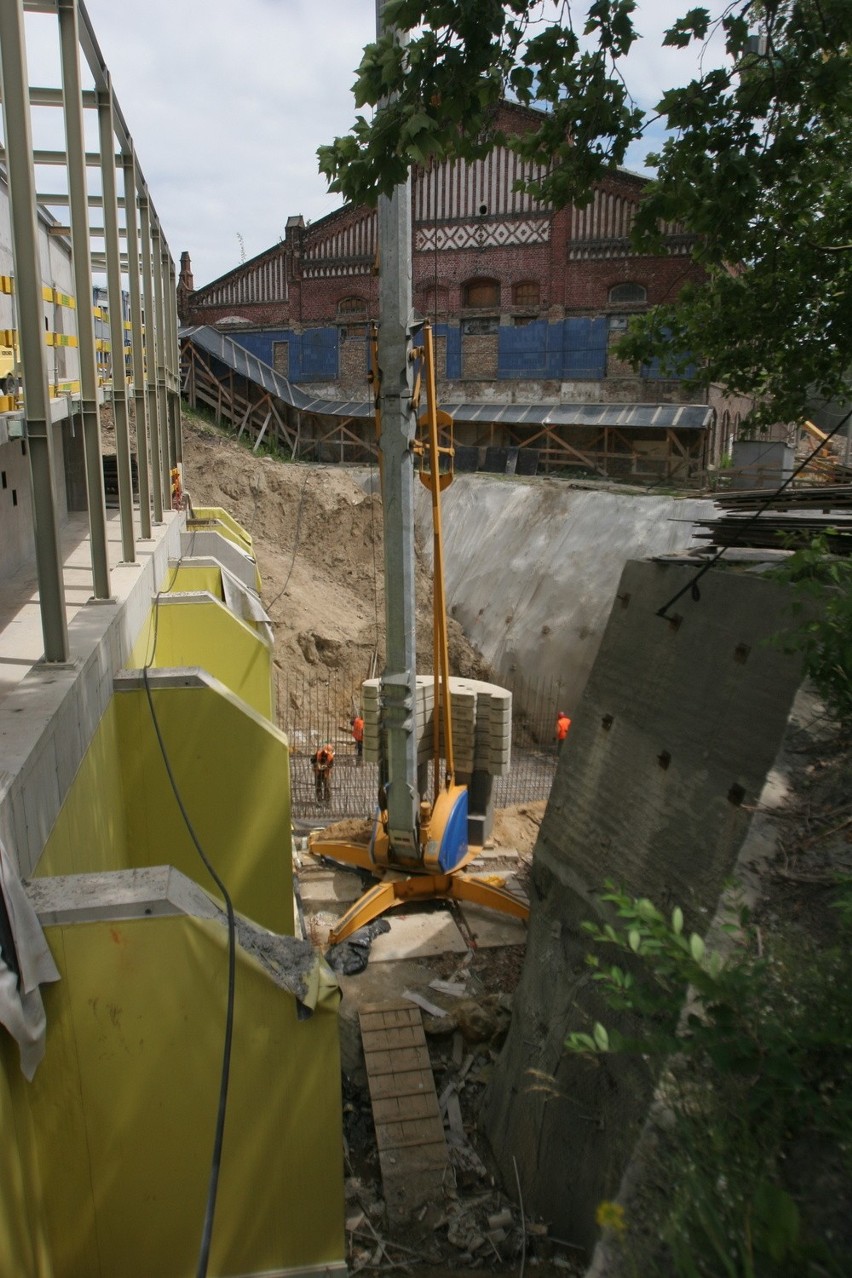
[696, 947]
[601, 1037]
[677, 920]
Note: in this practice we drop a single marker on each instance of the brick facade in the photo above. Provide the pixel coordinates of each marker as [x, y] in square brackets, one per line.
[515, 289]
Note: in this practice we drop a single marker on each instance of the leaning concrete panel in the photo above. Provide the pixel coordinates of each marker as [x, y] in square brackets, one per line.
[678, 726]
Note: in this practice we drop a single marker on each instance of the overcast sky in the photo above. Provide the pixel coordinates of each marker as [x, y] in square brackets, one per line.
[228, 100]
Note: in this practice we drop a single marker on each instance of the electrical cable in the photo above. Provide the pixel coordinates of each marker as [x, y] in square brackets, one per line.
[692, 584]
[295, 544]
[216, 1158]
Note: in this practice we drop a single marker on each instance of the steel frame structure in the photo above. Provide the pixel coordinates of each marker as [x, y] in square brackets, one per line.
[148, 368]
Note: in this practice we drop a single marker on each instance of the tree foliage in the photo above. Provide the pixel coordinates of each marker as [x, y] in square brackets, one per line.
[756, 161]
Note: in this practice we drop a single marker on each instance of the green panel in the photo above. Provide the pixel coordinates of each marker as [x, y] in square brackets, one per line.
[144, 1003]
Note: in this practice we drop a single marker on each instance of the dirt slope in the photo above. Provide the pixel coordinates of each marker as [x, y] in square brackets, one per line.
[317, 532]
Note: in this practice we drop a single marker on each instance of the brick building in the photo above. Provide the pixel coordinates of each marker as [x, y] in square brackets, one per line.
[526, 304]
[525, 301]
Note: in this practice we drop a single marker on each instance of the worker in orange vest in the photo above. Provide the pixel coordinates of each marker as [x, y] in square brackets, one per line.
[358, 736]
[563, 723]
[322, 761]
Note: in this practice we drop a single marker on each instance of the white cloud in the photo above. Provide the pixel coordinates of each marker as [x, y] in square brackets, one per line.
[228, 102]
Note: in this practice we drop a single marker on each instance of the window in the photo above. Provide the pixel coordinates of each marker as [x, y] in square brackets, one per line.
[481, 294]
[352, 306]
[628, 293]
[526, 294]
[481, 326]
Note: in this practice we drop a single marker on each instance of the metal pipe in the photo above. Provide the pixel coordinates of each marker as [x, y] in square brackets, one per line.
[139, 397]
[151, 362]
[69, 40]
[116, 323]
[28, 302]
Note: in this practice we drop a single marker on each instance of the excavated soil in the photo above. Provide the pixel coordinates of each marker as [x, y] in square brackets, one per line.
[317, 533]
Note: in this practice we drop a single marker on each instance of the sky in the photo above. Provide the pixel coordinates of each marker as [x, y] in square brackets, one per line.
[228, 100]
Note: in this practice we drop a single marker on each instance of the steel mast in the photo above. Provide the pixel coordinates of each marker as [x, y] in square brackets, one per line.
[395, 392]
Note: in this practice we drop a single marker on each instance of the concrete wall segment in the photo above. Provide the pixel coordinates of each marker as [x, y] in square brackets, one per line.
[53, 710]
[672, 740]
[560, 552]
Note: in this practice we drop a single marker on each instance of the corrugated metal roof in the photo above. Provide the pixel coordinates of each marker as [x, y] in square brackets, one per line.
[622, 416]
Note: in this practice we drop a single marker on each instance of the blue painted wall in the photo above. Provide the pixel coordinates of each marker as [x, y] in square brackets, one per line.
[313, 353]
[564, 350]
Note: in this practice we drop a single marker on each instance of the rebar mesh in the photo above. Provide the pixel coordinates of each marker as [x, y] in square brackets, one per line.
[318, 711]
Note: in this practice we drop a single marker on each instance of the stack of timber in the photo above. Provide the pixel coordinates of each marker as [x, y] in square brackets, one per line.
[786, 521]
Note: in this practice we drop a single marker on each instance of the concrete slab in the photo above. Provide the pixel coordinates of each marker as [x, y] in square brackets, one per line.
[491, 930]
[419, 935]
[326, 888]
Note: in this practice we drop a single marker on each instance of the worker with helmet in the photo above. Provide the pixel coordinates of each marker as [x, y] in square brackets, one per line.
[358, 736]
[322, 761]
[563, 723]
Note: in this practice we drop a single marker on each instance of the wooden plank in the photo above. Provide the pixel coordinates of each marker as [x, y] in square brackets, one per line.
[410, 1131]
[397, 1060]
[383, 1017]
[406, 1083]
[395, 1108]
[386, 1039]
[413, 1153]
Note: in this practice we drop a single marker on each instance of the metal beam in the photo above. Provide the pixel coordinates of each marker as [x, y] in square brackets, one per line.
[116, 327]
[28, 302]
[139, 399]
[162, 402]
[151, 363]
[81, 261]
[398, 684]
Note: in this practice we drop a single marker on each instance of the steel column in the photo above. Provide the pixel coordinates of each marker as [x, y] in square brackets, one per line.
[69, 39]
[167, 355]
[139, 398]
[174, 363]
[28, 301]
[162, 401]
[106, 129]
[398, 684]
[151, 362]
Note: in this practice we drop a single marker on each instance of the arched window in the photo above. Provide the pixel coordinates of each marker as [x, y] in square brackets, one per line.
[481, 294]
[527, 294]
[433, 301]
[628, 293]
[352, 306]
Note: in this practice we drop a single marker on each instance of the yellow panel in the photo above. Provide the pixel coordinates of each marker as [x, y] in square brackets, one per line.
[228, 526]
[197, 577]
[23, 1245]
[232, 772]
[204, 632]
[144, 1002]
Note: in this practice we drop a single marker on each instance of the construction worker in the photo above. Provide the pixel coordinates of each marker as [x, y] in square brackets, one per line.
[358, 736]
[322, 761]
[563, 723]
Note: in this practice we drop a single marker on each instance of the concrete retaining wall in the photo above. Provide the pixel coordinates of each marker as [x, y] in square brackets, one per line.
[532, 567]
[676, 731]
